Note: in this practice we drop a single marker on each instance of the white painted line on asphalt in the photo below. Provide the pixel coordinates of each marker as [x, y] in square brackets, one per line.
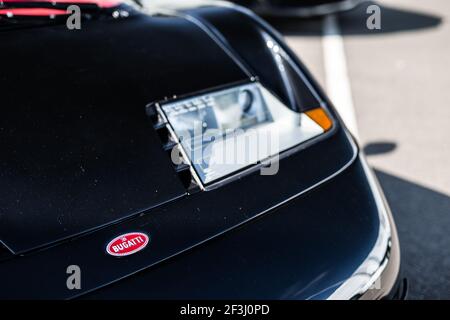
[336, 74]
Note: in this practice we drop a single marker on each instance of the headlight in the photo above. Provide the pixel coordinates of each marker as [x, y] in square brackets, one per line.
[223, 132]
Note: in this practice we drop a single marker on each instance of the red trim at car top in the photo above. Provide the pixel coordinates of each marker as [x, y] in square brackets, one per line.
[32, 12]
[99, 3]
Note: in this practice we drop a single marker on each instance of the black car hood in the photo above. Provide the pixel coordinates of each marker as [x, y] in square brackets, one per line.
[77, 149]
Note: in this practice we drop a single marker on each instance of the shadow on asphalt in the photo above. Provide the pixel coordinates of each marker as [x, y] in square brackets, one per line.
[422, 216]
[354, 22]
[376, 148]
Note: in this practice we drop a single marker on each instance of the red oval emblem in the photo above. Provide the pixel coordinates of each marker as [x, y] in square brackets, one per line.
[127, 244]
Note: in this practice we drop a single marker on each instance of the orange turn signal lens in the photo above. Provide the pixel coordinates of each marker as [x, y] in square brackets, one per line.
[319, 116]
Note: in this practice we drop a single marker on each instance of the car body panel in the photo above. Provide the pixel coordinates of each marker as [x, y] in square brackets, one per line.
[299, 8]
[173, 228]
[295, 235]
[78, 150]
[300, 250]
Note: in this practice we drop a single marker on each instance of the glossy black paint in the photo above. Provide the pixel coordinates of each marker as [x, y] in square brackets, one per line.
[298, 8]
[310, 225]
[249, 40]
[289, 3]
[301, 250]
[77, 148]
[174, 227]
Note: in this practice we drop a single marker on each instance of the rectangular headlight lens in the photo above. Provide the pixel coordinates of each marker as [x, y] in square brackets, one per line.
[226, 131]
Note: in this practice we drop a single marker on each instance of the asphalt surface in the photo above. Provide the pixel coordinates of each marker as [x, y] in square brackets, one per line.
[400, 84]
